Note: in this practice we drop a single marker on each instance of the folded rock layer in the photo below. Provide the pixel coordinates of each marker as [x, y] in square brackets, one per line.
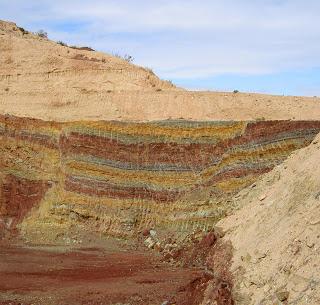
[129, 176]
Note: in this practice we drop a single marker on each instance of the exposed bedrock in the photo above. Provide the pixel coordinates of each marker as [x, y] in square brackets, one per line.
[120, 178]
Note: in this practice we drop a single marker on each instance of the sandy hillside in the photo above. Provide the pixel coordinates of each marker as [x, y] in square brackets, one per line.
[40, 78]
[276, 233]
[29, 60]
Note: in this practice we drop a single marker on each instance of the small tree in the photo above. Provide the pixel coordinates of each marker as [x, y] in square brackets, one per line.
[42, 34]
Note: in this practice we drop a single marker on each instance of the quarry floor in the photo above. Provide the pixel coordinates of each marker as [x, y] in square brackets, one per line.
[63, 275]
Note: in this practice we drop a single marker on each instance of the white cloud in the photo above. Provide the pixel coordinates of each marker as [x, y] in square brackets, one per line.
[186, 39]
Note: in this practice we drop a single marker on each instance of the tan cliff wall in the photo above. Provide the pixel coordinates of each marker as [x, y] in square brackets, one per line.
[119, 178]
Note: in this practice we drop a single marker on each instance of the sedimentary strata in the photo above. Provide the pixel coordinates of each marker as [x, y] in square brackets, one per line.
[127, 176]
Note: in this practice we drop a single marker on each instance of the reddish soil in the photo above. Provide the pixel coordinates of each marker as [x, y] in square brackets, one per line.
[94, 276]
[215, 256]
[19, 196]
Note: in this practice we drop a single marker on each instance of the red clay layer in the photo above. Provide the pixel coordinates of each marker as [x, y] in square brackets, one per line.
[196, 156]
[18, 197]
[43, 140]
[215, 256]
[35, 276]
[101, 188]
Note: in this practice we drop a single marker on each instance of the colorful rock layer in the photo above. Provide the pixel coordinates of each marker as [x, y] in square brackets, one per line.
[127, 176]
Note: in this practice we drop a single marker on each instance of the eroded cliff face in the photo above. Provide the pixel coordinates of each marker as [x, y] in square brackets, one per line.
[119, 178]
[84, 170]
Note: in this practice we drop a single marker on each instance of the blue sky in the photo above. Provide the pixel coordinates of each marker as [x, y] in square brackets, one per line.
[263, 46]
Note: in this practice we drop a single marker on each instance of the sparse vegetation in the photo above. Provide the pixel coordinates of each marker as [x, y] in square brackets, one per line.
[42, 34]
[81, 48]
[83, 57]
[235, 91]
[126, 57]
[61, 43]
[23, 30]
[149, 70]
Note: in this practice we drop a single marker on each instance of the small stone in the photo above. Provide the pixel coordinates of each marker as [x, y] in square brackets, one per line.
[246, 258]
[219, 232]
[262, 197]
[149, 242]
[73, 216]
[168, 248]
[314, 222]
[282, 295]
[258, 281]
[208, 240]
[145, 232]
[153, 233]
[260, 254]
[158, 247]
[310, 244]
[295, 249]
[259, 258]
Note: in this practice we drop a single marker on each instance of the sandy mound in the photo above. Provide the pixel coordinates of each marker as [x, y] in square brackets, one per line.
[30, 61]
[40, 78]
[276, 234]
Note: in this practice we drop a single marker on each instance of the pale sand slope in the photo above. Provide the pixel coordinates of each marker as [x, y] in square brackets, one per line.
[40, 78]
[277, 239]
[28, 60]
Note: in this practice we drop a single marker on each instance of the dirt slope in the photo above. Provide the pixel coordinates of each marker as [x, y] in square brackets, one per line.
[276, 234]
[92, 276]
[40, 78]
[30, 61]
